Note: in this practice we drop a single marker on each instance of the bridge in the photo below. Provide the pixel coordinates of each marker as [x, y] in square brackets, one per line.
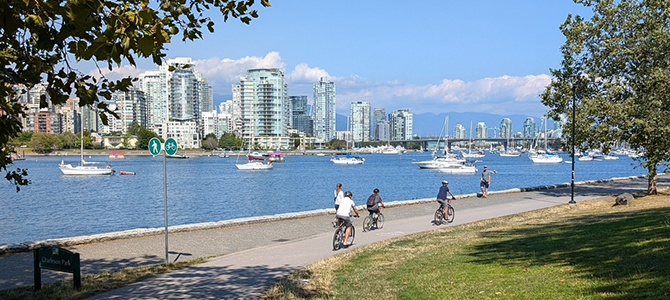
[430, 143]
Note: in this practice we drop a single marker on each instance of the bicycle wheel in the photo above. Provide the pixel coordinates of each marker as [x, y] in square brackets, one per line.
[352, 234]
[337, 238]
[380, 221]
[367, 223]
[439, 216]
[450, 214]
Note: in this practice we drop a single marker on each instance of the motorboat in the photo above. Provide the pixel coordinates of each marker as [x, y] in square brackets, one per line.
[546, 158]
[585, 158]
[510, 153]
[347, 159]
[610, 157]
[116, 155]
[439, 162]
[458, 169]
[180, 156]
[276, 157]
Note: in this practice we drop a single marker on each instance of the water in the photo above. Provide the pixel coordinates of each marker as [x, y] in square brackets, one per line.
[209, 189]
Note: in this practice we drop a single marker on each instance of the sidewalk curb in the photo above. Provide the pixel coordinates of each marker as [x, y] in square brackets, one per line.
[141, 232]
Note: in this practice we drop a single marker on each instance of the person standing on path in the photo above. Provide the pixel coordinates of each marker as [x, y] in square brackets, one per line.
[442, 197]
[485, 182]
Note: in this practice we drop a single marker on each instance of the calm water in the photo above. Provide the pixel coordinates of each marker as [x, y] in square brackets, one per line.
[205, 189]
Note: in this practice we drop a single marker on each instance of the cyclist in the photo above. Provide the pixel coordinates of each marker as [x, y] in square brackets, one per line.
[373, 204]
[346, 204]
[442, 196]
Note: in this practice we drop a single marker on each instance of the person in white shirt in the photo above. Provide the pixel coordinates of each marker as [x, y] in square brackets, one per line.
[346, 204]
[338, 195]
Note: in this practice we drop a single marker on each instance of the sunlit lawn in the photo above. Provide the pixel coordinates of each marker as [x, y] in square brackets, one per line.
[592, 250]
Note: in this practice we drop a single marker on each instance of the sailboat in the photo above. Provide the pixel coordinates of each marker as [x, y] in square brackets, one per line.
[546, 157]
[441, 161]
[254, 163]
[347, 159]
[510, 151]
[470, 154]
[84, 167]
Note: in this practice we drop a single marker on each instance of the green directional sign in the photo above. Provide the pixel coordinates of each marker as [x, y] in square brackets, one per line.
[170, 146]
[155, 146]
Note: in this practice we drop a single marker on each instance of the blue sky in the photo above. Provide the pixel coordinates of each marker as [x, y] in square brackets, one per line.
[428, 56]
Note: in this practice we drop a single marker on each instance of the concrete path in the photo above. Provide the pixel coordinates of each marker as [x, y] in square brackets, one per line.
[255, 255]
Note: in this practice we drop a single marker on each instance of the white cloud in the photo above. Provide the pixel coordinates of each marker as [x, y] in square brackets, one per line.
[500, 95]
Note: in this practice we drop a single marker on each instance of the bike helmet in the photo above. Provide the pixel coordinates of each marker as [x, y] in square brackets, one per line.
[376, 191]
[347, 194]
[445, 182]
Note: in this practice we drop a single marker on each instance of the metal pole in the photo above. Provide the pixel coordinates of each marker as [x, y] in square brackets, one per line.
[572, 185]
[167, 262]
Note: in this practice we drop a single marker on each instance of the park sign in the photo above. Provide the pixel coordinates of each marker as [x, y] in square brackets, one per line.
[155, 146]
[57, 259]
[170, 146]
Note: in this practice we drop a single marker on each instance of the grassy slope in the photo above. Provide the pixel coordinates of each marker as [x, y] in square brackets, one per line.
[592, 250]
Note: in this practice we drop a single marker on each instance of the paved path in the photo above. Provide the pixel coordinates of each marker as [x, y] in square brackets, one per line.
[255, 255]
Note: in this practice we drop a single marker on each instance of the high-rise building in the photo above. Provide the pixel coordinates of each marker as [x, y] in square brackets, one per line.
[459, 132]
[176, 92]
[323, 110]
[379, 125]
[301, 119]
[481, 131]
[132, 106]
[261, 105]
[360, 121]
[529, 128]
[401, 125]
[506, 128]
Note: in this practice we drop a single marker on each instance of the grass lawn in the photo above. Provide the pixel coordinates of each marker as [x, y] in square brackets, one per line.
[591, 250]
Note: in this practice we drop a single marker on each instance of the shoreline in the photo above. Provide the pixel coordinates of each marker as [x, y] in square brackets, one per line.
[141, 232]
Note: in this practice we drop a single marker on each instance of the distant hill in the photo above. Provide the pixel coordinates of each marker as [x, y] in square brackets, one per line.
[429, 124]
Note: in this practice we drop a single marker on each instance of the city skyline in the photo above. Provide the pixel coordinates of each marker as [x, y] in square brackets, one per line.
[460, 57]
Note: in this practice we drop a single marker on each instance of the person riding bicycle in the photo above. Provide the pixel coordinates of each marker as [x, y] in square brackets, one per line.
[373, 204]
[442, 196]
[342, 214]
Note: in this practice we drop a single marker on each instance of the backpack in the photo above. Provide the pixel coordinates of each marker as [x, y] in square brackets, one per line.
[371, 200]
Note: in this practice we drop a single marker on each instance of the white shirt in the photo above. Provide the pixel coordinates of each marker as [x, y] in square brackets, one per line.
[345, 207]
[338, 196]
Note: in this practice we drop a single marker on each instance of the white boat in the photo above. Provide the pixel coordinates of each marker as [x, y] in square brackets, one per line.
[347, 160]
[470, 154]
[585, 158]
[458, 169]
[84, 167]
[439, 162]
[511, 153]
[254, 165]
[256, 161]
[610, 157]
[546, 159]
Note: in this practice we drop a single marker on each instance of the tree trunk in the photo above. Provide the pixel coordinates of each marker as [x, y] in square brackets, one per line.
[651, 184]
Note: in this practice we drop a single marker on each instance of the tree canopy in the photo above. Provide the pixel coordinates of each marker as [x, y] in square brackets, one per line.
[618, 63]
[42, 40]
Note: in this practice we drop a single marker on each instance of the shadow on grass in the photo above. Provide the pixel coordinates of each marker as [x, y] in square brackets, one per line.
[629, 251]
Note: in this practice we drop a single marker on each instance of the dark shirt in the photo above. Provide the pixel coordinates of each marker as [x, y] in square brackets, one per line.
[443, 192]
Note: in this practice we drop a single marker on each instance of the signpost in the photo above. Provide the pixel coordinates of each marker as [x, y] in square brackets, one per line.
[155, 148]
[57, 259]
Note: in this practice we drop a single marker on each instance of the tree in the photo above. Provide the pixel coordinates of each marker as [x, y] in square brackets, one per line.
[43, 39]
[336, 144]
[617, 64]
[229, 141]
[44, 142]
[144, 136]
[68, 140]
[210, 142]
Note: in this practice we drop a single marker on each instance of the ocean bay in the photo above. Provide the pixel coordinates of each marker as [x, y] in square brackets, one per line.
[209, 189]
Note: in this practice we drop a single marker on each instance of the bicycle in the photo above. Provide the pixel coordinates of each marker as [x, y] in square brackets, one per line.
[369, 222]
[338, 236]
[439, 214]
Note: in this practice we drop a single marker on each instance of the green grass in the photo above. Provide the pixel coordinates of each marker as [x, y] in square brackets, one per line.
[592, 250]
[93, 284]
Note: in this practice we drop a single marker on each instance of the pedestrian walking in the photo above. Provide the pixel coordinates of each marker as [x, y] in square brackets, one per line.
[485, 182]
